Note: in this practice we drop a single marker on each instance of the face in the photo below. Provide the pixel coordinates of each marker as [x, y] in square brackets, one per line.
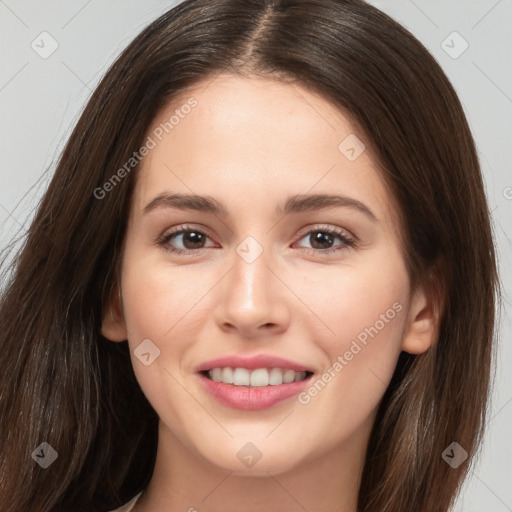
[274, 269]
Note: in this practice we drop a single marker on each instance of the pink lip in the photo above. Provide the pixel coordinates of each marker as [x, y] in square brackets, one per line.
[247, 397]
[251, 398]
[252, 362]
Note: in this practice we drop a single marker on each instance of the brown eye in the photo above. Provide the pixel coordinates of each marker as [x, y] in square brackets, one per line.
[319, 239]
[322, 240]
[189, 238]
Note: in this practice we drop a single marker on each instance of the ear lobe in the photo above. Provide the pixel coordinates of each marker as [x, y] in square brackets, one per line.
[423, 328]
[113, 326]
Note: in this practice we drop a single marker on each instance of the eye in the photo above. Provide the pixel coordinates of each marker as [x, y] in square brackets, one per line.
[194, 240]
[191, 238]
[321, 237]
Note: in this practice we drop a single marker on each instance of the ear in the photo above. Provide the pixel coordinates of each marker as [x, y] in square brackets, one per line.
[424, 319]
[113, 326]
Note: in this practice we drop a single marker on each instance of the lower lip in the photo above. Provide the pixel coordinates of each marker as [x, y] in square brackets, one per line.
[252, 398]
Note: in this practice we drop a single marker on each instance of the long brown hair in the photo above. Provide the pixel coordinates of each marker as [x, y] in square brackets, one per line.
[62, 383]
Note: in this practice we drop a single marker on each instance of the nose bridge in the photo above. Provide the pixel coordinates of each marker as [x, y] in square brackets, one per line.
[251, 283]
[252, 296]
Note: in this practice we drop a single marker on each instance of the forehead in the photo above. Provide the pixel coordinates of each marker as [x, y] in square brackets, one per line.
[257, 139]
[266, 114]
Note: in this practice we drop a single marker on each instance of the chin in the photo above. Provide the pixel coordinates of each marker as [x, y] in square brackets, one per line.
[247, 461]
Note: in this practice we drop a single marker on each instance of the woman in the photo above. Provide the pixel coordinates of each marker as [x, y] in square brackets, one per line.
[170, 343]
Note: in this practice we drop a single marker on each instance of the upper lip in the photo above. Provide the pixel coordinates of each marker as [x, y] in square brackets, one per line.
[252, 362]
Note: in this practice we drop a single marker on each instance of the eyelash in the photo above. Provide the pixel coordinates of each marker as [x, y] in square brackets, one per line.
[164, 240]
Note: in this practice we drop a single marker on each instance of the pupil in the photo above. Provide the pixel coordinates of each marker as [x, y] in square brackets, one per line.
[194, 239]
[321, 237]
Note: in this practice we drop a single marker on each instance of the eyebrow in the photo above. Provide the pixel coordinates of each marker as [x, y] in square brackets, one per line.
[294, 204]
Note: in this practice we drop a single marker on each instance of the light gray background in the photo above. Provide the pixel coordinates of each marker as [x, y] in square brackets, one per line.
[41, 98]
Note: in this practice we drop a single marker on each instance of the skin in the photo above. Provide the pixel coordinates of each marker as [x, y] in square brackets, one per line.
[250, 144]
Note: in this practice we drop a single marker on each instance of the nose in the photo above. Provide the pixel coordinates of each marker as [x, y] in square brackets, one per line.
[253, 298]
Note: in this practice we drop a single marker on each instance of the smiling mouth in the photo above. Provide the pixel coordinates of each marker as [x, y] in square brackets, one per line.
[259, 377]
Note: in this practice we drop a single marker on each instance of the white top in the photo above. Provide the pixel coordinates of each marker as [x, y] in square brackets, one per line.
[128, 506]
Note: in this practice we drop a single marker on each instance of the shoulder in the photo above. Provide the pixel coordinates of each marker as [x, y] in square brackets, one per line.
[127, 507]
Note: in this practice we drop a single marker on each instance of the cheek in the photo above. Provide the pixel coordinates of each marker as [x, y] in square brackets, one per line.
[347, 300]
[156, 298]
[145, 310]
[364, 310]
[158, 304]
[167, 306]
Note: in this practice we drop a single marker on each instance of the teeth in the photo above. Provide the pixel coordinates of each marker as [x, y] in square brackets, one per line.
[241, 377]
[300, 376]
[255, 378]
[259, 377]
[289, 376]
[276, 377]
[227, 376]
[216, 374]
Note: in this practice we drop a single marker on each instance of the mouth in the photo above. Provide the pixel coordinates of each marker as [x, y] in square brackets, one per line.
[255, 378]
[252, 381]
[255, 389]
